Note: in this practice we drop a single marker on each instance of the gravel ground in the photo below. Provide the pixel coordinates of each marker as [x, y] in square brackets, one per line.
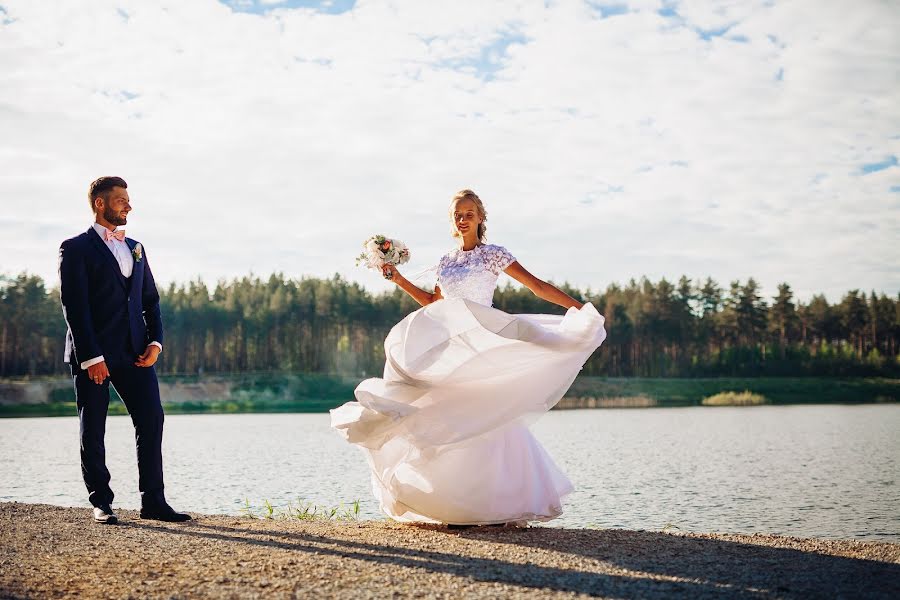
[56, 552]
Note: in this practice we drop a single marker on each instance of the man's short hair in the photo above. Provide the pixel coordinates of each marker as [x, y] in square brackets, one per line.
[102, 187]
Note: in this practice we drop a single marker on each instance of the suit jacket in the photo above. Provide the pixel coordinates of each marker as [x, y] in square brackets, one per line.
[106, 313]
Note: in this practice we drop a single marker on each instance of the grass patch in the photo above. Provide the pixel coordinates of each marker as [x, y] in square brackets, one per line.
[745, 398]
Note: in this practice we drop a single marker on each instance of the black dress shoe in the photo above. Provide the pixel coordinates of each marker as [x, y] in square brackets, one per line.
[163, 513]
[104, 514]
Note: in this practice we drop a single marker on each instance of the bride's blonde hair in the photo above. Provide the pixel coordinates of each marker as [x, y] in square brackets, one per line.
[479, 206]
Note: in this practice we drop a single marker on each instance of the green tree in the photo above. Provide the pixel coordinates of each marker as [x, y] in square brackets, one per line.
[855, 318]
[783, 317]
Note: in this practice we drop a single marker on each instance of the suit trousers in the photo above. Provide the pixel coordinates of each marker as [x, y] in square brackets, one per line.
[139, 389]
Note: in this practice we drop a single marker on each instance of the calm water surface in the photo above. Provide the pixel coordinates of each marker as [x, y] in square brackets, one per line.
[821, 471]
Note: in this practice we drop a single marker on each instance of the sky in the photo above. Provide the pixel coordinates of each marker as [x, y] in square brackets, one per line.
[608, 141]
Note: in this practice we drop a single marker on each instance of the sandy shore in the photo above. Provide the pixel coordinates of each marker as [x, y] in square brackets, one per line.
[55, 552]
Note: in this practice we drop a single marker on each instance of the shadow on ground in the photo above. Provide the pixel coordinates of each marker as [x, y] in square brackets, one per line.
[657, 563]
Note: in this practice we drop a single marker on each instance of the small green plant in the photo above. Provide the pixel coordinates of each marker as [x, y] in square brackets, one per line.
[352, 513]
[303, 511]
[247, 509]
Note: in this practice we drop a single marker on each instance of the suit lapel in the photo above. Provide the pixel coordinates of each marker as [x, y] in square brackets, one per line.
[137, 272]
[104, 250]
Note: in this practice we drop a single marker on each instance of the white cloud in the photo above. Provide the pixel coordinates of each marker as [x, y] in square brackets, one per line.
[605, 148]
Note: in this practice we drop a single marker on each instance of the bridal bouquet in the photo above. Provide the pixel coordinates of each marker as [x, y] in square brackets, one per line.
[380, 251]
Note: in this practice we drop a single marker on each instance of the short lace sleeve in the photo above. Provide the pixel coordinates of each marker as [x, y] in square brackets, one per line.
[498, 258]
[440, 268]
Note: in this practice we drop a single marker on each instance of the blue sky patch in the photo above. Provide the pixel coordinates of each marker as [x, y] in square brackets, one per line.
[604, 10]
[261, 7]
[489, 61]
[889, 162]
[708, 34]
[775, 41]
[668, 12]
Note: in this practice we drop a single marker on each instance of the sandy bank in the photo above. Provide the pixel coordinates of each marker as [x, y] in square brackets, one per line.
[54, 552]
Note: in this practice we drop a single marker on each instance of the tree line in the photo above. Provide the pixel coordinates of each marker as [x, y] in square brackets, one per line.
[656, 329]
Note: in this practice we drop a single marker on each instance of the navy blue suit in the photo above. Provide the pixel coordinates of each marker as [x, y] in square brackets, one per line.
[110, 315]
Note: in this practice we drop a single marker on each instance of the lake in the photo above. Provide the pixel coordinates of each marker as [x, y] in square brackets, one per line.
[826, 471]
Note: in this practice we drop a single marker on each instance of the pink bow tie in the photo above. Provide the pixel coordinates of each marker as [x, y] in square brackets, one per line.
[118, 234]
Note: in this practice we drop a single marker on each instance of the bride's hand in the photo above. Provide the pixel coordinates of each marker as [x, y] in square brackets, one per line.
[390, 273]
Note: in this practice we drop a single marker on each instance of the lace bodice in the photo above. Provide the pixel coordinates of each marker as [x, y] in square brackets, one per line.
[472, 274]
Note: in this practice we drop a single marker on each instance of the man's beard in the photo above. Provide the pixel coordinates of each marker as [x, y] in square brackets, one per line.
[113, 217]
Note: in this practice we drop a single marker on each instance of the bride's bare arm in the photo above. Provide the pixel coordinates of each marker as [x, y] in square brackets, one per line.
[540, 288]
[417, 293]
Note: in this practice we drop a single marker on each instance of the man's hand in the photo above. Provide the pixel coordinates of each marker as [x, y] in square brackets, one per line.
[148, 358]
[98, 373]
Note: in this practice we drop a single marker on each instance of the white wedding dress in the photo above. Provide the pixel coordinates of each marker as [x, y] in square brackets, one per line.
[445, 431]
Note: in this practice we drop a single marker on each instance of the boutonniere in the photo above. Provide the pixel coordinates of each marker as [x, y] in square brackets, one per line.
[138, 252]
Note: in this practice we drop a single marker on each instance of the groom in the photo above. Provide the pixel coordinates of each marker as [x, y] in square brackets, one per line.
[111, 306]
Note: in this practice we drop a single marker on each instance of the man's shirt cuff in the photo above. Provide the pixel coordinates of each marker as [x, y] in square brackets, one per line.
[92, 362]
[157, 344]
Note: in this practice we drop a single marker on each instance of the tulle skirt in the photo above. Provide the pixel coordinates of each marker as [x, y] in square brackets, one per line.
[445, 431]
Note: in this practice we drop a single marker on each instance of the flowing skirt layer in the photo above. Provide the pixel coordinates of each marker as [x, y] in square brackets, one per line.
[445, 431]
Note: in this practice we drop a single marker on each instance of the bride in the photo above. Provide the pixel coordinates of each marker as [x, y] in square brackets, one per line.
[445, 431]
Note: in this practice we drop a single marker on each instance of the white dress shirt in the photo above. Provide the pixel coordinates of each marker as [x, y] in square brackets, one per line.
[123, 256]
[119, 249]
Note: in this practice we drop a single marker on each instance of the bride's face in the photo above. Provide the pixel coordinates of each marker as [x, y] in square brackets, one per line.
[466, 218]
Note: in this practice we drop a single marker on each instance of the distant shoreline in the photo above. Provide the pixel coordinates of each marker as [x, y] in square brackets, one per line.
[316, 393]
[50, 551]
